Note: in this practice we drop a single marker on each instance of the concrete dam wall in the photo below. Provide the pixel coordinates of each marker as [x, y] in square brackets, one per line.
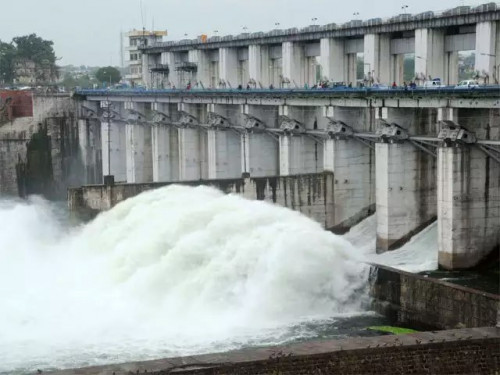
[310, 194]
[40, 148]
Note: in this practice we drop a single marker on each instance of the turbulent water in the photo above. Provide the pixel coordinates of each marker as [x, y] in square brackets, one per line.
[173, 271]
[417, 255]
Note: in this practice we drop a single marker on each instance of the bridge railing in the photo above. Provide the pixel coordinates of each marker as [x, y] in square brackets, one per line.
[336, 91]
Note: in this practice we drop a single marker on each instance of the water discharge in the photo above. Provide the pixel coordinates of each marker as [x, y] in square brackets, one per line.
[173, 271]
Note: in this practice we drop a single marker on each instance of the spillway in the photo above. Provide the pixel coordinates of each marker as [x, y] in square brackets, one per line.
[173, 271]
[418, 254]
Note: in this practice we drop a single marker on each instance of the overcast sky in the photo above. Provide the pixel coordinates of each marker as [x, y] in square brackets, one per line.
[87, 32]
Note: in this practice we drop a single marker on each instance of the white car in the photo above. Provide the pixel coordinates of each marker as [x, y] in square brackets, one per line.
[434, 84]
[467, 84]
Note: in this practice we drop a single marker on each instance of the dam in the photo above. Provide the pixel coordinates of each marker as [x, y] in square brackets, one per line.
[239, 200]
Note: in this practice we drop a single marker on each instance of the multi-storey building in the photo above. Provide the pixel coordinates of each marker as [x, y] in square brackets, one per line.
[132, 56]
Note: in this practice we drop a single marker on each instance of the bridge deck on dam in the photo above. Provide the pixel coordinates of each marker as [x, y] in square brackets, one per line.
[490, 91]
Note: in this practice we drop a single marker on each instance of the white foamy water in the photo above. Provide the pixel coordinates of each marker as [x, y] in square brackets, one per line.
[173, 271]
[417, 255]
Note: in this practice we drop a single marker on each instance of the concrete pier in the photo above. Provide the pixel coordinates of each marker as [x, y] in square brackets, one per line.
[406, 177]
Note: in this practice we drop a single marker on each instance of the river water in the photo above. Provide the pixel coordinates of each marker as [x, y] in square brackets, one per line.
[178, 271]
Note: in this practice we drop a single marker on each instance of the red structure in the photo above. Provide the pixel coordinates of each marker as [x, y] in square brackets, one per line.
[15, 104]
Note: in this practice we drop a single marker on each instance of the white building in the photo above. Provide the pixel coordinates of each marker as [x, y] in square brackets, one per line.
[132, 57]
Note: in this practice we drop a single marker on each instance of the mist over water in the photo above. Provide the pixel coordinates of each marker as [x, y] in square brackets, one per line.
[173, 271]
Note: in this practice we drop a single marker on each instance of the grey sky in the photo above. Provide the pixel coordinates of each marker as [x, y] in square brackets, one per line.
[87, 32]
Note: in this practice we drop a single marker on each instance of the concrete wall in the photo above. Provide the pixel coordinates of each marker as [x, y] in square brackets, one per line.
[41, 154]
[426, 303]
[464, 351]
[310, 194]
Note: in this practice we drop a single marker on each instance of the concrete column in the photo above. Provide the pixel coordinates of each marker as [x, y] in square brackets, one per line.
[451, 68]
[165, 144]
[173, 75]
[468, 206]
[114, 150]
[486, 51]
[353, 164]
[192, 151]
[202, 61]
[429, 53]
[377, 53]
[299, 155]
[224, 154]
[228, 66]
[293, 64]
[258, 65]
[333, 59]
[90, 145]
[139, 153]
[397, 69]
[146, 74]
[405, 183]
[193, 146]
[259, 150]
[351, 76]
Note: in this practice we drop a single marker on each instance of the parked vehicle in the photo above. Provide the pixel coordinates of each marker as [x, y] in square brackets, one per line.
[467, 84]
[378, 86]
[434, 84]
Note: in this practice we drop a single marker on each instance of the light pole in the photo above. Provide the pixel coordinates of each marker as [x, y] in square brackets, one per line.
[404, 7]
[314, 20]
[355, 14]
[276, 24]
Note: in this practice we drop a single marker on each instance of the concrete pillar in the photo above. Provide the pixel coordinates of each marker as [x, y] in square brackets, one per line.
[351, 76]
[224, 144]
[259, 150]
[299, 153]
[192, 155]
[451, 68]
[293, 64]
[258, 65]
[146, 74]
[353, 164]
[468, 206]
[165, 145]
[486, 51]
[397, 69]
[333, 59]
[377, 53]
[405, 182]
[90, 145]
[429, 53]
[224, 154]
[202, 61]
[139, 153]
[228, 66]
[193, 146]
[114, 150]
[173, 75]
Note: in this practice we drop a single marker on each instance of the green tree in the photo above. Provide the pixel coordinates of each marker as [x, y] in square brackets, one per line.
[7, 55]
[33, 48]
[108, 75]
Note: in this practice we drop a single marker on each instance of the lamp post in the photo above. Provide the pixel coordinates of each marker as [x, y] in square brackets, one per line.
[276, 24]
[314, 19]
[355, 14]
[404, 7]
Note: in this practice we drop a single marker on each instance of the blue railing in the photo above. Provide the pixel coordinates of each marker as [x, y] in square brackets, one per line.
[488, 90]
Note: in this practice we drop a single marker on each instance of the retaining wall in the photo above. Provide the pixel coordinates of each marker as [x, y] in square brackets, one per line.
[311, 194]
[426, 303]
[466, 351]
